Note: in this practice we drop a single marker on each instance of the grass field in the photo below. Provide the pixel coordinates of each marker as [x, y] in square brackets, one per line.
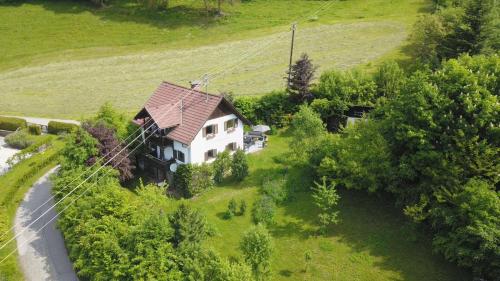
[65, 58]
[369, 244]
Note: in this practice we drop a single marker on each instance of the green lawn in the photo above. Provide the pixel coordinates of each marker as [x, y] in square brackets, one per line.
[65, 58]
[370, 243]
[13, 185]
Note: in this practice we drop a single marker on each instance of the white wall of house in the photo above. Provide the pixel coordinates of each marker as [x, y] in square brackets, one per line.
[219, 141]
[184, 149]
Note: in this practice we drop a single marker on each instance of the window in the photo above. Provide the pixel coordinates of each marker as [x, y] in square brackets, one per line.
[232, 146]
[179, 155]
[230, 125]
[210, 154]
[210, 130]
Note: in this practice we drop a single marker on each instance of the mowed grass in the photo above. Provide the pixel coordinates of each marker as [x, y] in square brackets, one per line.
[65, 58]
[370, 243]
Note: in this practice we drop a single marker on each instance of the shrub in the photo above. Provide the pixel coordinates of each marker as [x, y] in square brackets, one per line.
[35, 129]
[221, 166]
[189, 226]
[231, 209]
[55, 127]
[276, 189]
[19, 140]
[263, 210]
[11, 123]
[193, 179]
[239, 166]
[257, 248]
[243, 207]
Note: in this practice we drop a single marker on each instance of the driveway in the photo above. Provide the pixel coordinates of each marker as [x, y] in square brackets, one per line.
[5, 153]
[43, 121]
[43, 255]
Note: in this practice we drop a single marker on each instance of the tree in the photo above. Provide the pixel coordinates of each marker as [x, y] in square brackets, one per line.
[468, 36]
[389, 79]
[468, 228]
[301, 75]
[193, 179]
[189, 226]
[239, 165]
[221, 166]
[326, 199]
[257, 248]
[114, 153]
[79, 147]
[110, 117]
[263, 210]
[306, 128]
[428, 34]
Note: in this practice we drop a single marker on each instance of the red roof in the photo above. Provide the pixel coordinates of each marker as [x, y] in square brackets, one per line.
[164, 107]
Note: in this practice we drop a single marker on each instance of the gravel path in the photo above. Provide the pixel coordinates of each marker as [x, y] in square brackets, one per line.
[5, 153]
[43, 255]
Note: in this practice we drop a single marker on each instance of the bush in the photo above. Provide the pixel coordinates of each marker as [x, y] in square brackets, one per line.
[56, 127]
[19, 140]
[35, 129]
[257, 248]
[11, 123]
[276, 189]
[231, 209]
[193, 179]
[222, 166]
[239, 167]
[243, 207]
[263, 210]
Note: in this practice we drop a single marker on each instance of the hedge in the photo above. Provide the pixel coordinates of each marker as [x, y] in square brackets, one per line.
[35, 129]
[55, 127]
[11, 123]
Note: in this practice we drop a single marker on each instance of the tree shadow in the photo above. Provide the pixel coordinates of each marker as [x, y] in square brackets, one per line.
[130, 11]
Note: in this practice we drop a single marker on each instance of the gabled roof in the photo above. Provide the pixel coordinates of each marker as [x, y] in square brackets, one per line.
[164, 107]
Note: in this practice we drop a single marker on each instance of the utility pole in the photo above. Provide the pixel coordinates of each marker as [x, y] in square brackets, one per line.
[294, 27]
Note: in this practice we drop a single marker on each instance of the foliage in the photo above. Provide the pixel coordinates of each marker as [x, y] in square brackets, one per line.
[232, 209]
[326, 199]
[276, 189]
[40, 143]
[20, 139]
[301, 76]
[263, 210]
[111, 150]
[468, 229]
[221, 166]
[114, 120]
[257, 248]
[239, 165]
[243, 207]
[35, 129]
[306, 129]
[193, 179]
[189, 226]
[56, 127]
[80, 147]
[425, 147]
[389, 79]
[247, 105]
[11, 123]
[426, 37]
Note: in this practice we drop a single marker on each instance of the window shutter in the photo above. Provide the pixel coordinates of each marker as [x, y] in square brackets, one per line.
[204, 131]
[206, 156]
[215, 152]
[236, 123]
[225, 126]
[216, 128]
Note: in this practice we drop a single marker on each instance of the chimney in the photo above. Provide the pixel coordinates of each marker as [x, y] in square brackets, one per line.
[195, 85]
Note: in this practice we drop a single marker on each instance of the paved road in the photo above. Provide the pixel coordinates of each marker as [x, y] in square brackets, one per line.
[43, 121]
[42, 255]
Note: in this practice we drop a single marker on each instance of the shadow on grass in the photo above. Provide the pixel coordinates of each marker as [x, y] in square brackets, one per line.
[372, 226]
[130, 11]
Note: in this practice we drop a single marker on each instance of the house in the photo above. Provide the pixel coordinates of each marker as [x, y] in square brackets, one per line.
[185, 125]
